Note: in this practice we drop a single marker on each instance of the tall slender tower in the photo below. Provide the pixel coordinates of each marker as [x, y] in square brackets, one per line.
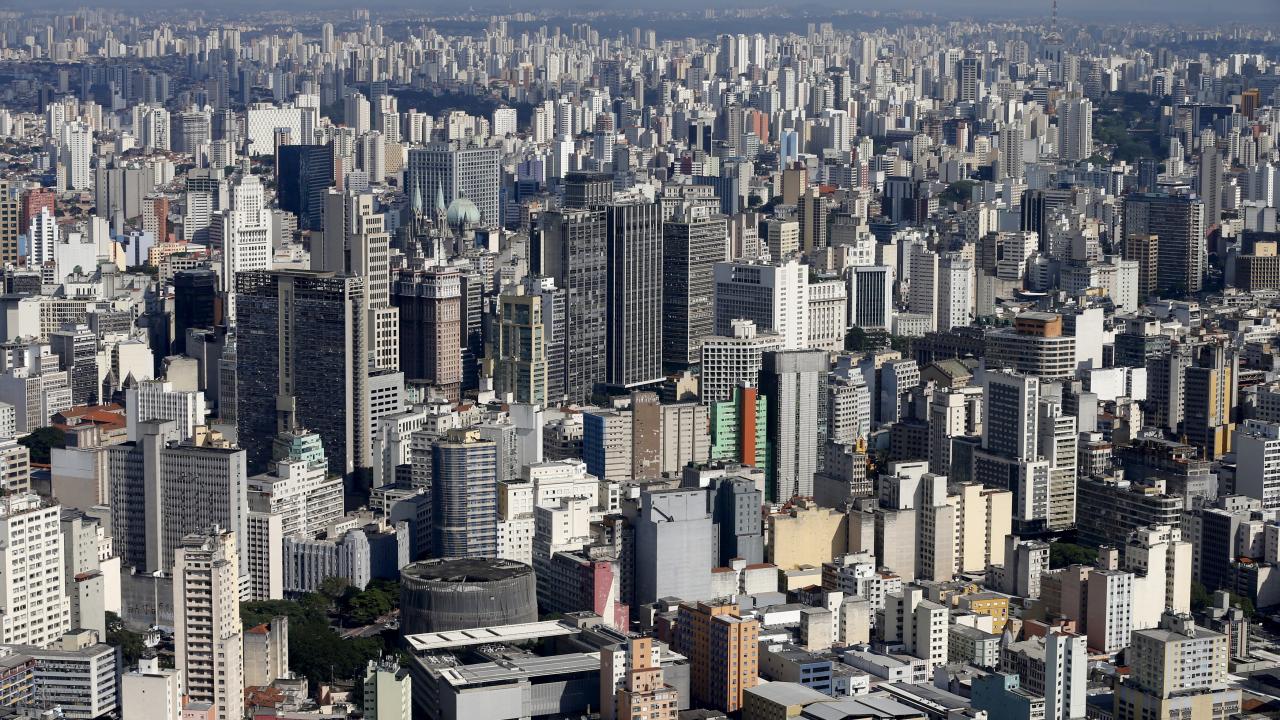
[207, 636]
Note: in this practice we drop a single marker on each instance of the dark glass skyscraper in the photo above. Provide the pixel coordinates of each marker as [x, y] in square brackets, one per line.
[195, 297]
[302, 362]
[303, 175]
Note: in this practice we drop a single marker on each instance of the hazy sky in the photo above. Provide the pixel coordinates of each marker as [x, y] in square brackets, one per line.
[1200, 11]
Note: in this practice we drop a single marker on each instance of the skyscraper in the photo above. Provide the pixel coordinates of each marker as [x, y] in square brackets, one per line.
[1075, 130]
[302, 362]
[464, 496]
[529, 362]
[694, 240]
[1179, 222]
[355, 242]
[303, 173]
[1211, 392]
[207, 635]
[573, 252]
[1210, 180]
[195, 304]
[795, 384]
[455, 170]
[160, 489]
[633, 340]
[37, 610]
[430, 307]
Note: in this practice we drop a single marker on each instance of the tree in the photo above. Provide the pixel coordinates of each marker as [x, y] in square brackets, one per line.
[41, 442]
[1062, 554]
[129, 642]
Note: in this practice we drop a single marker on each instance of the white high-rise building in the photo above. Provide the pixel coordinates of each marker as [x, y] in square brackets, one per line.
[75, 151]
[955, 292]
[1110, 610]
[34, 606]
[1257, 447]
[158, 400]
[774, 297]
[1009, 414]
[207, 635]
[1066, 674]
[246, 234]
[732, 359]
[1075, 129]
[42, 238]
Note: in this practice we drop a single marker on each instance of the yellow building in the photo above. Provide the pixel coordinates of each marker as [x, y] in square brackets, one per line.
[806, 534]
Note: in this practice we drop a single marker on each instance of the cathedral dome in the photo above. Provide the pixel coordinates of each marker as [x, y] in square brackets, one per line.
[462, 213]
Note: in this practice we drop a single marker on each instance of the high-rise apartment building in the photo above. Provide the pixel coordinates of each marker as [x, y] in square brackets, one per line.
[632, 686]
[1211, 400]
[34, 606]
[723, 651]
[464, 496]
[529, 347]
[1075, 130]
[1178, 668]
[1179, 223]
[1257, 449]
[207, 634]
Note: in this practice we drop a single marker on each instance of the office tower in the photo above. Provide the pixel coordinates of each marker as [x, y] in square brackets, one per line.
[1177, 668]
[1010, 413]
[302, 362]
[969, 80]
[774, 297]
[11, 225]
[207, 637]
[195, 304]
[574, 254]
[1210, 183]
[1144, 250]
[77, 349]
[1075, 130]
[870, 297]
[464, 496]
[795, 384]
[632, 685]
[529, 362]
[430, 306]
[585, 191]
[1179, 223]
[1211, 400]
[160, 489]
[669, 524]
[723, 653]
[1257, 449]
[694, 240]
[388, 691]
[813, 220]
[304, 173]
[355, 242]
[633, 309]
[923, 284]
[37, 610]
[245, 233]
[454, 170]
[731, 360]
